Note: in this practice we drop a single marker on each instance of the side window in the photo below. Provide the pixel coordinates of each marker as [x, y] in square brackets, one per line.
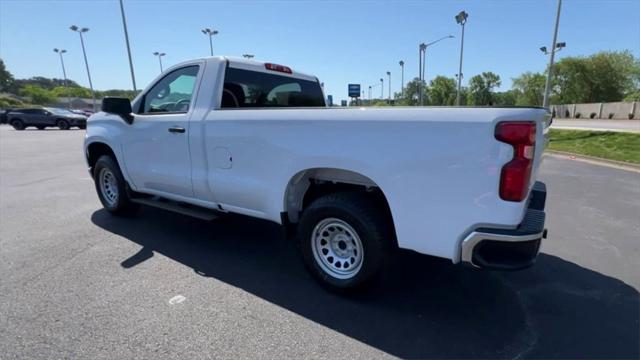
[172, 94]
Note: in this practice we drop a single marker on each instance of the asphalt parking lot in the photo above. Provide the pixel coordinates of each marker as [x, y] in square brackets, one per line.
[78, 283]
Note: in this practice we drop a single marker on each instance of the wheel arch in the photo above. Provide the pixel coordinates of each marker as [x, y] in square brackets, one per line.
[309, 184]
[97, 149]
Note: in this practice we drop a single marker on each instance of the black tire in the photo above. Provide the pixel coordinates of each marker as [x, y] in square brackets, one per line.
[40, 127]
[62, 124]
[372, 225]
[122, 204]
[17, 124]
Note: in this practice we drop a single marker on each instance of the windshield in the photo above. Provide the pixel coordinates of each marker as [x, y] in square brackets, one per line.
[58, 111]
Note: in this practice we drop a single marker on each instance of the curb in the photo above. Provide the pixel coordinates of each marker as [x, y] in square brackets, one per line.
[595, 160]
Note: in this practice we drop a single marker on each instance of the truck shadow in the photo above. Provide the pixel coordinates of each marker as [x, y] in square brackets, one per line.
[423, 307]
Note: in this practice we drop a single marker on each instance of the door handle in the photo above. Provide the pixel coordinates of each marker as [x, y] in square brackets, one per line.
[176, 129]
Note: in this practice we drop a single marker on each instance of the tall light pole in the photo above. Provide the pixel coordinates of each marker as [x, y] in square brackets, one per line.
[369, 94]
[126, 38]
[86, 63]
[159, 55]
[381, 88]
[554, 46]
[461, 19]
[64, 71]
[210, 33]
[421, 48]
[247, 56]
[389, 94]
[402, 78]
[423, 63]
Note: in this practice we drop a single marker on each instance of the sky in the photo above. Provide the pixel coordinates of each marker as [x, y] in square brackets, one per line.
[341, 42]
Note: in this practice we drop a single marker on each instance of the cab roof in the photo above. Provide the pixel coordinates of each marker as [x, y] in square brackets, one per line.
[261, 66]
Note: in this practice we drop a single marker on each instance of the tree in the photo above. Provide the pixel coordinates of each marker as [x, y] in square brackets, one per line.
[634, 96]
[442, 91]
[38, 95]
[6, 79]
[40, 81]
[119, 93]
[80, 92]
[530, 88]
[411, 94]
[481, 88]
[601, 77]
[7, 102]
[507, 98]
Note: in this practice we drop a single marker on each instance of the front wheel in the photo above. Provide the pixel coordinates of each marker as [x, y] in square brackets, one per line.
[112, 188]
[345, 239]
[17, 124]
[63, 124]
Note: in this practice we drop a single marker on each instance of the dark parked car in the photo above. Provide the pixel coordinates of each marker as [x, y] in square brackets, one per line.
[3, 115]
[86, 113]
[42, 118]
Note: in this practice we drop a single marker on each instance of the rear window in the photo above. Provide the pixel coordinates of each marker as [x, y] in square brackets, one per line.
[245, 88]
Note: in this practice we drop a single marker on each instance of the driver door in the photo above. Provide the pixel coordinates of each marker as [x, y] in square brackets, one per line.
[156, 149]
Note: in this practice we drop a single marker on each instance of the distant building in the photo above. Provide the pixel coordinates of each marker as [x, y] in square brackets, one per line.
[77, 103]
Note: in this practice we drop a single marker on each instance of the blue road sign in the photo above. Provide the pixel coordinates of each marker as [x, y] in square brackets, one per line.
[354, 90]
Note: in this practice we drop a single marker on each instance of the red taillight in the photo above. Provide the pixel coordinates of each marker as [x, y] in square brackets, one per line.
[515, 176]
[276, 67]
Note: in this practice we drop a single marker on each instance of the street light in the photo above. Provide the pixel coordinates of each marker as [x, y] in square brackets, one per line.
[559, 47]
[64, 72]
[461, 19]
[86, 63]
[159, 55]
[126, 38]
[369, 94]
[389, 94]
[402, 78]
[422, 52]
[210, 33]
[554, 47]
[381, 88]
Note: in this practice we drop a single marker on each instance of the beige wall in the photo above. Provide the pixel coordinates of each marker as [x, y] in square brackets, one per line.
[620, 110]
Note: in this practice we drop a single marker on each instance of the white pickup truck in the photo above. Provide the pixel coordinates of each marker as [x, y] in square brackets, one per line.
[220, 134]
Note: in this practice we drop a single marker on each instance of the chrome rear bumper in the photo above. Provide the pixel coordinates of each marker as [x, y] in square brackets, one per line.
[509, 249]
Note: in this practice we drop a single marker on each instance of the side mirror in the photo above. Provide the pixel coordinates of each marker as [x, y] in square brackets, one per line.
[119, 106]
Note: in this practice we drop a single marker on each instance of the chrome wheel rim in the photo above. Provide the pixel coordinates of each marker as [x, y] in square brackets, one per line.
[108, 186]
[337, 248]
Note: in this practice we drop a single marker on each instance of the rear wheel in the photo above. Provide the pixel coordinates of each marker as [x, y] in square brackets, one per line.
[62, 124]
[345, 239]
[17, 124]
[112, 188]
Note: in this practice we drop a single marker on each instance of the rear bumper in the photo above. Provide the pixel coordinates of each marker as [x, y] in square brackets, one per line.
[509, 249]
[78, 122]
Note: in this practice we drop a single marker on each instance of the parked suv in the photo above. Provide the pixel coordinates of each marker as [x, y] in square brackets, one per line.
[3, 115]
[42, 118]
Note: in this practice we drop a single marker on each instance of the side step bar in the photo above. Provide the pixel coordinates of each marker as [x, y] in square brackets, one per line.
[178, 207]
